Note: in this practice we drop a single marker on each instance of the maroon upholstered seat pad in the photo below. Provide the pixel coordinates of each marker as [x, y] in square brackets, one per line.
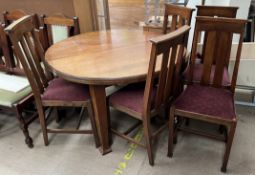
[198, 71]
[62, 90]
[131, 97]
[207, 100]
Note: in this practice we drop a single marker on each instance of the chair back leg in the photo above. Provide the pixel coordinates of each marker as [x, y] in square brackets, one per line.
[148, 140]
[171, 133]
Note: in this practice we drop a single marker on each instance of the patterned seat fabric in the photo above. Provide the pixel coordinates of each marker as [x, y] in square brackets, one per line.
[207, 100]
[62, 90]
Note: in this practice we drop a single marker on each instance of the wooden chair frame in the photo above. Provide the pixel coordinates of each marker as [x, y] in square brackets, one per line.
[171, 47]
[215, 27]
[217, 11]
[30, 53]
[61, 20]
[5, 45]
[14, 15]
[19, 107]
[180, 16]
[10, 17]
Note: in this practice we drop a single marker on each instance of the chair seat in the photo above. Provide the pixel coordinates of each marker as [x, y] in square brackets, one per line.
[198, 71]
[8, 98]
[206, 100]
[62, 90]
[131, 97]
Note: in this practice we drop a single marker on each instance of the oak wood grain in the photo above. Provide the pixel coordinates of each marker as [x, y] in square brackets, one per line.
[103, 58]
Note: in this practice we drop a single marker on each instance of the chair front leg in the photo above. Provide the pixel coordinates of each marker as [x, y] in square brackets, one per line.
[171, 132]
[228, 146]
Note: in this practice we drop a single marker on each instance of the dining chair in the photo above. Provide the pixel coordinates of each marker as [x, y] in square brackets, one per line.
[16, 102]
[146, 101]
[58, 27]
[209, 100]
[179, 16]
[213, 11]
[47, 93]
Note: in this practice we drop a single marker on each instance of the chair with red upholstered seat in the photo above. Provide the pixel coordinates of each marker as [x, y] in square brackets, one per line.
[47, 93]
[146, 101]
[210, 100]
[213, 11]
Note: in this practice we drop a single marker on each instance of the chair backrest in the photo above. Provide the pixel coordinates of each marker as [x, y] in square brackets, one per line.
[168, 51]
[7, 58]
[29, 51]
[219, 11]
[217, 31]
[180, 16]
[58, 27]
[14, 15]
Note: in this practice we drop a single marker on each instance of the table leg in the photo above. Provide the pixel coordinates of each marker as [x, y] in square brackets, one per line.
[98, 97]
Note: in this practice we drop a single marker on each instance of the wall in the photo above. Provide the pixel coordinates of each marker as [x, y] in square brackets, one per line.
[39, 6]
[80, 8]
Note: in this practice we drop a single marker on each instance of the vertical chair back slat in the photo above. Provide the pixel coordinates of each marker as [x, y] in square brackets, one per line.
[171, 66]
[27, 48]
[209, 48]
[162, 78]
[164, 49]
[26, 52]
[174, 23]
[37, 54]
[217, 30]
[221, 56]
[180, 16]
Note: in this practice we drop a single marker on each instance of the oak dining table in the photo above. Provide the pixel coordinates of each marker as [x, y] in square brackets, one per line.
[101, 59]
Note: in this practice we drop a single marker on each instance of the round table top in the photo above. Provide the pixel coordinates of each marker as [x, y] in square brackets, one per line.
[102, 58]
